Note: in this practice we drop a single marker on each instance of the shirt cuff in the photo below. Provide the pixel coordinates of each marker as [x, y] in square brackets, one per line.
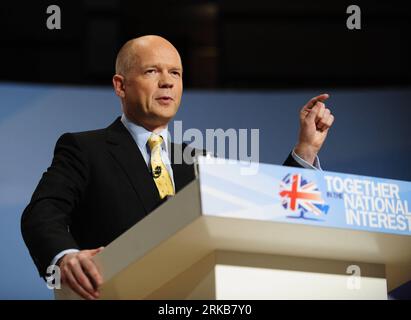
[305, 164]
[61, 254]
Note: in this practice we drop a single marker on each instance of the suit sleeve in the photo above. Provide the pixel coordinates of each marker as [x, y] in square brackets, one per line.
[46, 220]
[291, 162]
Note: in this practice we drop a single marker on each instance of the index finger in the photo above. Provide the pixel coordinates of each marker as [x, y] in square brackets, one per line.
[321, 97]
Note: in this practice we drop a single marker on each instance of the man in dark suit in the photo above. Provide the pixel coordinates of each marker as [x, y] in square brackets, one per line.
[102, 182]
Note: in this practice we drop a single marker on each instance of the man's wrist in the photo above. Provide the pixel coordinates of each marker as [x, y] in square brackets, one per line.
[306, 152]
[57, 259]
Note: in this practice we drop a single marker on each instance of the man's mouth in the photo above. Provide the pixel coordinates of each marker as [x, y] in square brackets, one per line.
[164, 100]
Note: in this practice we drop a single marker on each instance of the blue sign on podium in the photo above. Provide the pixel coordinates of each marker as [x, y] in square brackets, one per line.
[304, 196]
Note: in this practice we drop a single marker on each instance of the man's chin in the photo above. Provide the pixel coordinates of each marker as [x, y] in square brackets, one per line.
[165, 113]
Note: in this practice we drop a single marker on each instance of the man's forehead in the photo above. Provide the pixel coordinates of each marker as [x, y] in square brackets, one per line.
[161, 65]
[166, 56]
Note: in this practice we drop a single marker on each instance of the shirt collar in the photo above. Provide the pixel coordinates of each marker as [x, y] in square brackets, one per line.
[141, 134]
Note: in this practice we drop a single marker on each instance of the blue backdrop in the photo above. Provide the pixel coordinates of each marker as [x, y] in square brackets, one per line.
[371, 136]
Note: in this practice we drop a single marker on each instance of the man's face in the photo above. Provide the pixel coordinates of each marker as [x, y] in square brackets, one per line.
[153, 87]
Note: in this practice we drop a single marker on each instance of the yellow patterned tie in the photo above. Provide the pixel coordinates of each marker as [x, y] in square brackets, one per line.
[160, 173]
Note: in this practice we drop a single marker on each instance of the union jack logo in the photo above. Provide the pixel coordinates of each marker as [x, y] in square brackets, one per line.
[300, 196]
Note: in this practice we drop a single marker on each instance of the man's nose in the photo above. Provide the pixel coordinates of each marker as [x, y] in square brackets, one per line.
[165, 81]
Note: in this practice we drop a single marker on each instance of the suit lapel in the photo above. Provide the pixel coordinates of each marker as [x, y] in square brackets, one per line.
[124, 150]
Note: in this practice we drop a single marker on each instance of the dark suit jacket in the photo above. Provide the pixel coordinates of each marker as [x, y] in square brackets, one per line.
[96, 188]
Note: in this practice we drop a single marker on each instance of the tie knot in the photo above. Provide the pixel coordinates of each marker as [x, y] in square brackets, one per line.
[154, 141]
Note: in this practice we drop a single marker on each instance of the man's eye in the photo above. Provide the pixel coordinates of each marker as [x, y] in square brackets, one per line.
[176, 73]
[150, 71]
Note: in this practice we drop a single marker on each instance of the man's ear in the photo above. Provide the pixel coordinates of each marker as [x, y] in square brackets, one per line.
[118, 84]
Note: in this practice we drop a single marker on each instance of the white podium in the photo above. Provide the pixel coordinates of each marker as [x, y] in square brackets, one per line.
[222, 238]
